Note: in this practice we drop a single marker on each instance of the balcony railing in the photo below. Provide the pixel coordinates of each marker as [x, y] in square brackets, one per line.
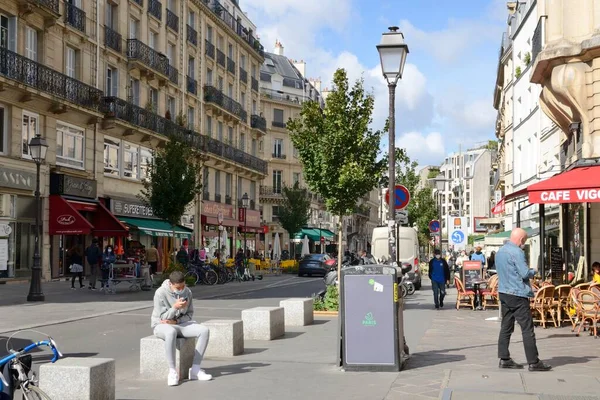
[220, 58]
[278, 124]
[50, 5]
[228, 152]
[172, 20]
[227, 199]
[113, 107]
[217, 197]
[254, 84]
[113, 39]
[173, 74]
[155, 9]
[192, 35]
[214, 95]
[258, 122]
[137, 50]
[192, 85]
[40, 77]
[270, 190]
[280, 95]
[279, 156]
[230, 66]
[209, 49]
[536, 41]
[243, 75]
[75, 17]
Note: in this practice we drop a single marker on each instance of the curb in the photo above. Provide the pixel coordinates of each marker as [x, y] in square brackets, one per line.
[324, 313]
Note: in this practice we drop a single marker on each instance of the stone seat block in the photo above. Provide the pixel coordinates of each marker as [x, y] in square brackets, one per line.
[79, 379]
[226, 337]
[298, 312]
[153, 358]
[263, 323]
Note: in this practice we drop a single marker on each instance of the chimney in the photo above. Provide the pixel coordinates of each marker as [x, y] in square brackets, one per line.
[316, 83]
[301, 67]
[278, 48]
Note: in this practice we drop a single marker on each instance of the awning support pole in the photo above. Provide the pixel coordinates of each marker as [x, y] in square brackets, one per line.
[542, 241]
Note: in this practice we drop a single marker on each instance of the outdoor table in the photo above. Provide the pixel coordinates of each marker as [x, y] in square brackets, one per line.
[478, 296]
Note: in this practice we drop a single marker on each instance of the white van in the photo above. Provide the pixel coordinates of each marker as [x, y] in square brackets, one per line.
[408, 248]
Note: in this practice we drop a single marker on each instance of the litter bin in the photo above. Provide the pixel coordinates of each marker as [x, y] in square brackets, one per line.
[370, 337]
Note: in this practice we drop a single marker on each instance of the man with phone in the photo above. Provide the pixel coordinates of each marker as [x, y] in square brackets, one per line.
[172, 317]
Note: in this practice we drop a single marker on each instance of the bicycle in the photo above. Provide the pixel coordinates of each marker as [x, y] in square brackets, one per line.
[15, 370]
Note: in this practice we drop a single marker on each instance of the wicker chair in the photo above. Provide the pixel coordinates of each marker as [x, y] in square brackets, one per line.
[543, 304]
[490, 294]
[589, 303]
[561, 302]
[464, 298]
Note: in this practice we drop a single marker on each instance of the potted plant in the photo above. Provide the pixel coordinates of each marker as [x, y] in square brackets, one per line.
[527, 58]
[181, 119]
[518, 72]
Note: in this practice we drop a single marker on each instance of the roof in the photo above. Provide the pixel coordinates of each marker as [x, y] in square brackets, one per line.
[281, 65]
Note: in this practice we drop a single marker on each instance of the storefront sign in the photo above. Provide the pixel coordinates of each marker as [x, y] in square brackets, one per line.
[212, 209]
[131, 209]
[72, 186]
[253, 218]
[591, 195]
[14, 179]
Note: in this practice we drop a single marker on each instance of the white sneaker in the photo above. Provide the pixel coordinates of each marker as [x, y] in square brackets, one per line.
[173, 379]
[201, 375]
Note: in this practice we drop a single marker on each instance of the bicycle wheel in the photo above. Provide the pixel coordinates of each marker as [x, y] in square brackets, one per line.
[194, 275]
[230, 275]
[222, 276]
[411, 289]
[210, 277]
[34, 393]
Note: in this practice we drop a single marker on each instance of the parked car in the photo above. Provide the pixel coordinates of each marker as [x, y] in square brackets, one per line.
[314, 264]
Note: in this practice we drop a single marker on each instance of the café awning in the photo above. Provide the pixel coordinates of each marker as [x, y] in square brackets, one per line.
[66, 218]
[578, 185]
[156, 227]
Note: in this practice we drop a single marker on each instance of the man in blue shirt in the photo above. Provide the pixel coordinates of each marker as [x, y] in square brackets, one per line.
[515, 290]
[478, 256]
[439, 273]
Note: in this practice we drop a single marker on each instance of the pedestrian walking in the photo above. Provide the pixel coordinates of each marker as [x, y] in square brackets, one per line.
[514, 290]
[439, 273]
[93, 255]
[152, 258]
[172, 317]
[108, 258]
[76, 267]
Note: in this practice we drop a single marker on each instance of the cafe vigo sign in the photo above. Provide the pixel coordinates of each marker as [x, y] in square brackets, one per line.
[565, 196]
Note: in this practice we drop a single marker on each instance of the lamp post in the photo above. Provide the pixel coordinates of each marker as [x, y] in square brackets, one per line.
[321, 241]
[245, 205]
[37, 149]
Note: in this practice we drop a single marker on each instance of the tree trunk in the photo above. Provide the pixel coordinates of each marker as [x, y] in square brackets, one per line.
[340, 252]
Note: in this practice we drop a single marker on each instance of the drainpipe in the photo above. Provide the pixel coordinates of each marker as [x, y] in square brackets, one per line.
[97, 81]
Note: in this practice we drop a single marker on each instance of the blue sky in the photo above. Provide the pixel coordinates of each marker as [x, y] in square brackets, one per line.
[445, 97]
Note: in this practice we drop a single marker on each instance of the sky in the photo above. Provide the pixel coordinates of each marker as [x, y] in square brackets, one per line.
[444, 100]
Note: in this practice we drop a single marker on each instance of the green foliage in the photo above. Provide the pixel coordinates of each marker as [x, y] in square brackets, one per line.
[159, 279]
[331, 301]
[424, 210]
[337, 148]
[433, 173]
[190, 281]
[527, 58]
[172, 182]
[492, 145]
[294, 213]
[518, 72]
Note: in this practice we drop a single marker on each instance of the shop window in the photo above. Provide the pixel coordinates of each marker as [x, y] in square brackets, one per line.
[29, 129]
[145, 162]
[112, 150]
[130, 161]
[70, 145]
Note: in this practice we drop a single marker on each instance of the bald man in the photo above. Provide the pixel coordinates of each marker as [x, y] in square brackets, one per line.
[515, 290]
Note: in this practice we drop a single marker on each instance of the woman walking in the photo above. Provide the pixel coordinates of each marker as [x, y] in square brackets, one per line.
[76, 267]
[108, 258]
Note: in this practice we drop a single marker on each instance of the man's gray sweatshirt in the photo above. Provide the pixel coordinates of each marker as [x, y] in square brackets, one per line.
[164, 298]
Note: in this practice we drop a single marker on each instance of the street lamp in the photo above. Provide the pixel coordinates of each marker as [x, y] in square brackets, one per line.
[321, 241]
[245, 205]
[392, 51]
[37, 149]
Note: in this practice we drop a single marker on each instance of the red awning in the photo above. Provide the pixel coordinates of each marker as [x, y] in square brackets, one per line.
[515, 195]
[579, 185]
[65, 219]
[106, 224]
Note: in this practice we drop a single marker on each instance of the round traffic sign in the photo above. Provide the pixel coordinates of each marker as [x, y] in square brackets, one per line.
[457, 237]
[322, 239]
[401, 197]
[434, 226]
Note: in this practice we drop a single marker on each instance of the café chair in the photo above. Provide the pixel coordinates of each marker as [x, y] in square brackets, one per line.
[543, 305]
[590, 310]
[464, 297]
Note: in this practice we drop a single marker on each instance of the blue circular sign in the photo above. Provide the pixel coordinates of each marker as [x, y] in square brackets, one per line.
[458, 237]
[434, 226]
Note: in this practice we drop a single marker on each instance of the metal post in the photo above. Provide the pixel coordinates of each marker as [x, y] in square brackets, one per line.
[35, 288]
[320, 237]
[392, 166]
[245, 247]
[542, 210]
[440, 214]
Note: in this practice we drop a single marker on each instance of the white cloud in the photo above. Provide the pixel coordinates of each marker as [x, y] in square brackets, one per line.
[424, 148]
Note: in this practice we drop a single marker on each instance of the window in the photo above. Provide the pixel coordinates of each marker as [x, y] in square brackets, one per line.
[153, 40]
[220, 131]
[254, 107]
[467, 172]
[29, 129]
[228, 184]
[243, 61]
[243, 100]
[205, 180]
[8, 32]
[71, 62]
[145, 162]
[218, 182]
[275, 213]
[112, 150]
[254, 147]
[70, 145]
[171, 5]
[278, 148]
[112, 82]
[191, 117]
[209, 124]
[252, 193]
[192, 19]
[2, 129]
[171, 54]
[220, 80]
[31, 37]
[243, 141]
[277, 181]
[191, 67]
[134, 89]
[209, 76]
[220, 42]
[230, 91]
[277, 115]
[294, 151]
[239, 192]
[133, 28]
[171, 102]
[130, 160]
[209, 33]
[153, 100]
[111, 14]
[230, 51]
[254, 71]
[229, 135]
[296, 178]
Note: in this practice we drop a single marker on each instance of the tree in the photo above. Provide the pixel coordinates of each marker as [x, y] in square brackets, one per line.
[172, 182]
[425, 210]
[294, 213]
[337, 147]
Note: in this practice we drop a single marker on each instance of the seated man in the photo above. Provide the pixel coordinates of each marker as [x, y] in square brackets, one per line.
[172, 318]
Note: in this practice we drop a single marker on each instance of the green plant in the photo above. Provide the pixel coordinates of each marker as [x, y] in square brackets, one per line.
[190, 281]
[181, 119]
[330, 301]
[518, 72]
[527, 58]
[166, 272]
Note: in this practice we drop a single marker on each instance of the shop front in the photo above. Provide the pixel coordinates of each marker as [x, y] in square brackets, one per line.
[145, 229]
[219, 227]
[17, 222]
[76, 216]
[250, 229]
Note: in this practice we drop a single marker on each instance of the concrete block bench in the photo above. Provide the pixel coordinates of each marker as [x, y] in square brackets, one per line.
[79, 379]
[298, 312]
[153, 359]
[263, 323]
[226, 337]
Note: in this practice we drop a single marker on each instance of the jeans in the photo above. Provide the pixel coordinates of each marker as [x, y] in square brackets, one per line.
[439, 292]
[169, 333]
[516, 308]
[93, 275]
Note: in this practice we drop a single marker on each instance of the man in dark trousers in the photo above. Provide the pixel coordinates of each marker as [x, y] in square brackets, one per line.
[93, 255]
[515, 291]
[439, 273]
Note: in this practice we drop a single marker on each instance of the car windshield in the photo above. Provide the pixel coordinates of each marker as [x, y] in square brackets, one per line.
[314, 257]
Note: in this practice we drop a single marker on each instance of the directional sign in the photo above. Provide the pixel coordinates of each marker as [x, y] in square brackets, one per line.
[458, 232]
[434, 226]
[401, 197]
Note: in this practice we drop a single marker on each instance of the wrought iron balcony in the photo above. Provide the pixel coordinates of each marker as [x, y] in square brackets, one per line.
[172, 20]
[30, 73]
[220, 58]
[139, 51]
[173, 74]
[139, 2]
[258, 122]
[278, 124]
[280, 95]
[230, 66]
[48, 8]
[114, 107]
[279, 156]
[192, 35]
[270, 191]
[217, 197]
[214, 95]
[228, 199]
[155, 9]
[254, 84]
[209, 49]
[243, 75]
[192, 85]
[75, 17]
[536, 41]
[228, 152]
[113, 39]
